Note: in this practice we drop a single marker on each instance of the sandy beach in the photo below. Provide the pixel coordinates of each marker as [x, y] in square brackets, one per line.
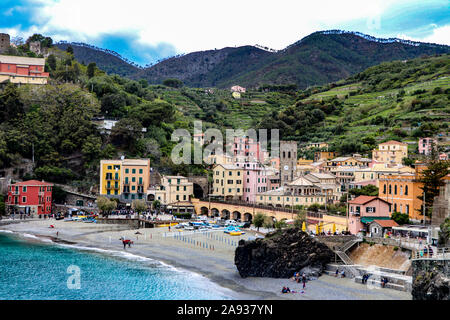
[209, 254]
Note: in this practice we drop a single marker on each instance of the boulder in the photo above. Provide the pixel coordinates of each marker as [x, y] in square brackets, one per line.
[282, 253]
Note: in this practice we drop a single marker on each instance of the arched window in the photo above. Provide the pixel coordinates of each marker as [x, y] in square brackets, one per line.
[384, 189]
[390, 189]
[406, 190]
[395, 189]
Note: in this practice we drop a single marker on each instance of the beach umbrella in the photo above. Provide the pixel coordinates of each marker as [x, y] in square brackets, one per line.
[334, 228]
[304, 226]
[317, 228]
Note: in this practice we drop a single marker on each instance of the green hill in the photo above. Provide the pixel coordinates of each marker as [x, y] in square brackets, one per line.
[319, 58]
[401, 100]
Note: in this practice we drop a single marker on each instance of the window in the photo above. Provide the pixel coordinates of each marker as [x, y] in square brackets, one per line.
[178, 188]
[133, 188]
[184, 188]
[384, 189]
[133, 179]
[230, 173]
[184, 197]
[127, 170]
[390, 189]
[133, 171]
[370, 209]
[395, 189]
[24, 199]
[109, 167]
[141, 171]
[24, 189]
[406, 190]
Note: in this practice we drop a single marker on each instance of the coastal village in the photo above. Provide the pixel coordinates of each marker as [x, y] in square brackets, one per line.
[354, 203]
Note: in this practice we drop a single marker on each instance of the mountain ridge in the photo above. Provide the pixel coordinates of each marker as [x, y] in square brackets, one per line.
[319, 58]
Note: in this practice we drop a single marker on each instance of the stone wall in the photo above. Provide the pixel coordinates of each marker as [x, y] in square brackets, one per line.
[431, 279]
[4, 42]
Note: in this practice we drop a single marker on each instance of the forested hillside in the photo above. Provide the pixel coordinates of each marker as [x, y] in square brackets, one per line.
[56, 123]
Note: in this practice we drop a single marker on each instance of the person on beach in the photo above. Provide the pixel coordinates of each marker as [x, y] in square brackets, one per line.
[304, 280]
[337, 272]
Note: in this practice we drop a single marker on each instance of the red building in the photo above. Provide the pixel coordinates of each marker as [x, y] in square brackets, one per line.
[34, 197]
[23, 70]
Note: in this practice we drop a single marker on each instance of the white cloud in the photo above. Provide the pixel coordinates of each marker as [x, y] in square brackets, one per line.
[441, 35]
[205, 24]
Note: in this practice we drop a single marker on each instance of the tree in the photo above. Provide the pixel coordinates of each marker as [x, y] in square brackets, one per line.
[299, 219]
[280, 224]
[444, 233]
[156, 204]
[106, 205]
[268, 222]
[400, 218]
[258, 220]
[69, 50]
[91, 69]
[173, 83]
[432, 180]
[11, 107]
[2, 205]
[369, 190]
[59, 195]
[139, 206]
[52, 61]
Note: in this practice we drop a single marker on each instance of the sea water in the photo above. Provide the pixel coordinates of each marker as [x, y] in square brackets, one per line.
[34, 270]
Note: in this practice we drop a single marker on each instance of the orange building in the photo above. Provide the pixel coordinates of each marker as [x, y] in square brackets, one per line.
[403, 192]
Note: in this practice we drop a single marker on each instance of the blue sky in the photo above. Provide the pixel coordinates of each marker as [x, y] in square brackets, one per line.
[145, 31]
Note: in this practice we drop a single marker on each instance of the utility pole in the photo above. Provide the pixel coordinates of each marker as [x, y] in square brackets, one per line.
[424, 209]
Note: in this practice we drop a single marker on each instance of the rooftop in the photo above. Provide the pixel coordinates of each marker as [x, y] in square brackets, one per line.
[22, 60]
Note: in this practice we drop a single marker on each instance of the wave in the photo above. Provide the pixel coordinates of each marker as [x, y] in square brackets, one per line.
[6, 231]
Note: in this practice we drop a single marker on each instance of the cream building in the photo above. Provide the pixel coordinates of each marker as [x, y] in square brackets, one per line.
[390, 152]
[172, 189]
[228, 182]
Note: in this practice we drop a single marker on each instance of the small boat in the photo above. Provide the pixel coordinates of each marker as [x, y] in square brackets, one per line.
[236, 233]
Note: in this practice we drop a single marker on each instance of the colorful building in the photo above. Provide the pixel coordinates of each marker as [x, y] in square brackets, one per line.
[255, 179]
[23, 70]
[173, 189]
[403, 192]
[363, 210]
[228, 182]
[324, 155]
[126, 179]
[390, 152]
[426, 145]
[30, 197]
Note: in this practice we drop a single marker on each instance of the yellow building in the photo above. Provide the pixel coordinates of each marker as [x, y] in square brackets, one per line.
[390, 152]
[378, 170]
[173, 189]
[228, 182]
[110, 177]
[126, 179]
[316, 145]
[280, 198]
[302, 161]
[136, 178]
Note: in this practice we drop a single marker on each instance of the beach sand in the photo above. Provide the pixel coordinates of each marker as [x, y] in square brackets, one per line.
[215, 262]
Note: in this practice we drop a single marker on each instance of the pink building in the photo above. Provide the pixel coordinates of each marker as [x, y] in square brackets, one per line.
[245, 148]
[365, 209]
[255, 179]
[425, 145]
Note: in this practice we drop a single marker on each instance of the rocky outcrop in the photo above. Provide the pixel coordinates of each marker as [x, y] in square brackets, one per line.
[281, 254]
[431, 280]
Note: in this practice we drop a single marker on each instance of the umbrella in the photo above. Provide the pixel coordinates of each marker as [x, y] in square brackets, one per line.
[334, 228]
[304, 226]
[317, 228]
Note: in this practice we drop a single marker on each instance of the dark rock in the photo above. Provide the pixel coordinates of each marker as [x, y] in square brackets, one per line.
[281, 254]
[431, 279]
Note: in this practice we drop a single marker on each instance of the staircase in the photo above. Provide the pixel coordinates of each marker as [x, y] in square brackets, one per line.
[341, 253]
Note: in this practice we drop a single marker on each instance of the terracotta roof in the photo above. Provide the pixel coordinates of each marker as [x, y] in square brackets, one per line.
[365, 199]
[33, 183]
[394, 142]
[386, 223]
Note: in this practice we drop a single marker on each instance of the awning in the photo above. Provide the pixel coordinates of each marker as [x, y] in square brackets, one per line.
[370, 219]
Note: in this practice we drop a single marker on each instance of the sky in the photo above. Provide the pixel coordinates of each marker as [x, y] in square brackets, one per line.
[145, 31]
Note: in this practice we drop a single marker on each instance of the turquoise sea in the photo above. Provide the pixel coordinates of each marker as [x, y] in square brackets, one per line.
[34, 270]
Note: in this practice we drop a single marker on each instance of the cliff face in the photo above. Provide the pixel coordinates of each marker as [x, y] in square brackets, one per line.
[280, 255]
[431, 280]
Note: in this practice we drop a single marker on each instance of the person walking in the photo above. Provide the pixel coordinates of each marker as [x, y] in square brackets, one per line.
[304, 280]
